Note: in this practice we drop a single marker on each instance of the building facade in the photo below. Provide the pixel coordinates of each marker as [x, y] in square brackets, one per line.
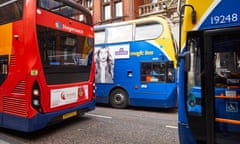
[110, 11]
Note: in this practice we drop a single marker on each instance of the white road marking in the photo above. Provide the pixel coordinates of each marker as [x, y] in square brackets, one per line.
[168, 126]
[101, 116]
[4, 142]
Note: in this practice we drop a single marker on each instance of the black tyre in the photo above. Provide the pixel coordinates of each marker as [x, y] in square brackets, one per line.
[119, 98]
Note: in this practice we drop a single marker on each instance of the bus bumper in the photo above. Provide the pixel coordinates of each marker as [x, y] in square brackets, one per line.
[42, 120]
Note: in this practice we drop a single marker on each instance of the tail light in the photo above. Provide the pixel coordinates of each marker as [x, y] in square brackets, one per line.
[94, 91]
[36, 97]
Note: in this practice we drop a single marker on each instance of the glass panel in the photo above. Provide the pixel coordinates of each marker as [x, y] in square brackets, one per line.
[118, 9]
[154, 71]
[170, 72]
[154, 1]
[89, 3]
[107, 12]
[10, 10]
[3, 67]
[227, 88]
[65, 10]
[106, 1]
[119, 34]
[194, 69]
[193, 62]
[148, 31]
[61, 48]
[99, 37]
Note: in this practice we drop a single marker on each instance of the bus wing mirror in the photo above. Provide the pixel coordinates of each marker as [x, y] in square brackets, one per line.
[194, 16]
[186, 57]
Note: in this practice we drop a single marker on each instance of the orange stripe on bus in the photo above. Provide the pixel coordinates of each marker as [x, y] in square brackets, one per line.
[5, 39]
[230, 121]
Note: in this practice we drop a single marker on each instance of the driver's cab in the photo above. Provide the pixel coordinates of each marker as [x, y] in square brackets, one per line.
[212, 85]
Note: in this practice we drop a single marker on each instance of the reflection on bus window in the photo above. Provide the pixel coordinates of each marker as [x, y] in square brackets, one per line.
[227, 68]
[123, 33]
[61, 48]
[157, 72]
[10, 10]
[150, 30]
[64, 10]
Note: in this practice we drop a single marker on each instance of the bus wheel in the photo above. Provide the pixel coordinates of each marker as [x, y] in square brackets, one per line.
[119, 98]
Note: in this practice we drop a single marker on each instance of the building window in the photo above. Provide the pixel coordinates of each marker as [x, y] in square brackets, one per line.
[118, 7]
[106, 1]
[107, 12]
[91, 11]
[112, 9]
[89, 3]
[154, 1]
[79, 1]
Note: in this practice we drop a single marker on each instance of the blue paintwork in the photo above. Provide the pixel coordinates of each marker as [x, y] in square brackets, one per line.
[225, 9]
[39, 121]
[159, 95]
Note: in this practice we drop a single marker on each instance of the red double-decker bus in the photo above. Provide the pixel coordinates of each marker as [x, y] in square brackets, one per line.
[46, 70]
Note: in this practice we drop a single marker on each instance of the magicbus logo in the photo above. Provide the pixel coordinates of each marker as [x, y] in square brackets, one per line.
[121, 51]
[59, 25]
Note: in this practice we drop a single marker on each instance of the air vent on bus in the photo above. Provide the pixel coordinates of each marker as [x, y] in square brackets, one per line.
[13, 60]
[20, 88]
[15, 106]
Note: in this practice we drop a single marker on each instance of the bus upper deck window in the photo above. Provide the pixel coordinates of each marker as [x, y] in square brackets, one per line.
[69, 11]
[10, 11]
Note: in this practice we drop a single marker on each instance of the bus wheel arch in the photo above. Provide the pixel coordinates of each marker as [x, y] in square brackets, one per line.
[118, 98]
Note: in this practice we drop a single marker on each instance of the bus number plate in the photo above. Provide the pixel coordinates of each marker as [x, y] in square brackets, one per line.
[68, 115]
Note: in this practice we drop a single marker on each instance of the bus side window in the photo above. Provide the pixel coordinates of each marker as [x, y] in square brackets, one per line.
[157, 71]
[145, 69]
[3, 67]
[170, 71]
[163, 68]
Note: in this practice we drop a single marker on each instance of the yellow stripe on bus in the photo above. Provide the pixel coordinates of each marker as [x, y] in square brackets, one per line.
[202, 9]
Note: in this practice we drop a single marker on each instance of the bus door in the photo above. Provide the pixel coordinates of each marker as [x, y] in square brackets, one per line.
[226, 77]
[212, 85]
